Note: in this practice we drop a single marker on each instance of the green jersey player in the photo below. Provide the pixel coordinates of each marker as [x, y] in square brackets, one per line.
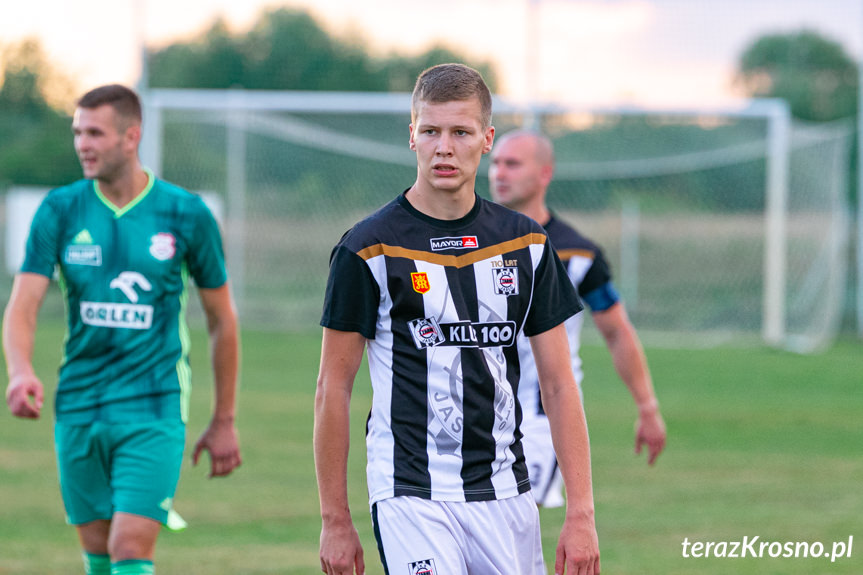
[124, 244]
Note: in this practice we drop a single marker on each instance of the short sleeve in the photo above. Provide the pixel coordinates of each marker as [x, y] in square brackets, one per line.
[554, 297]
[597, 275]
[42, 252]
[351, 300]
[206, 257]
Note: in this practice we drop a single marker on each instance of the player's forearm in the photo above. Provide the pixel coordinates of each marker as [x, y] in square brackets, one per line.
[225, 357]
[572, 446]
[331, 445]
[631, 366]
[19, 334]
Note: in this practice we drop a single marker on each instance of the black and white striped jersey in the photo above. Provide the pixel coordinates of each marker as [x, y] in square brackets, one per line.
[442, 303]
[589, 272]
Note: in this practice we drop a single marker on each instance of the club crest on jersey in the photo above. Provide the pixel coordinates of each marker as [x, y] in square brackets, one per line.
[163, 246]
[424, 567]
[420, 281]
[426, 332]
[460, 243]
[505, 281]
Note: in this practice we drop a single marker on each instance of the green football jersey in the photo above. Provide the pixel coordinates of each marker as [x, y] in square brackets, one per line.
[123, 273]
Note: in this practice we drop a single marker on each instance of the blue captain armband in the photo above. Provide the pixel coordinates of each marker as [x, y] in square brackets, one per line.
[602, 297]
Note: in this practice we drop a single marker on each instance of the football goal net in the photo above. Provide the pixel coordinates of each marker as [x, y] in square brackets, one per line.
[720, 224]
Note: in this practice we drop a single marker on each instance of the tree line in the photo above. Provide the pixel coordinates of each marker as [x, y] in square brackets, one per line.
[288, 49]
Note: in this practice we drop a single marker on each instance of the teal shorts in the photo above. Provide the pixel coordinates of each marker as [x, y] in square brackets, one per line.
[127, 467]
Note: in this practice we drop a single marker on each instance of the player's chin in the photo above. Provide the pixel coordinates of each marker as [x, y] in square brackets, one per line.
[91, 173]
[448, 183]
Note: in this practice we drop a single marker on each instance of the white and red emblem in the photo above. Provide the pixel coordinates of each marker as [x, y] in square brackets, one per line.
[163, 246]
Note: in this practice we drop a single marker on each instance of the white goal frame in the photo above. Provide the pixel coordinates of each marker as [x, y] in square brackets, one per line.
[241, 104]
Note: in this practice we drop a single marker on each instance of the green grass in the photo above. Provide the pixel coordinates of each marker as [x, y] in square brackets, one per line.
[761, 443]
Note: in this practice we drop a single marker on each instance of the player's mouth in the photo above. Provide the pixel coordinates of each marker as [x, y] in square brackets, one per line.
[444, 170]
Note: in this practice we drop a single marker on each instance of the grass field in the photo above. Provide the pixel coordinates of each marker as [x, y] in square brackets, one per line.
[761, 443]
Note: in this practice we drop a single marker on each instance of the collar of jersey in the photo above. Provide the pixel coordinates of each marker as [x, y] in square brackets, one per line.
[466, 219]
[119, 212]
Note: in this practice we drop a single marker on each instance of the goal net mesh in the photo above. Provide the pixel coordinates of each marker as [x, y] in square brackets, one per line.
[676, 201]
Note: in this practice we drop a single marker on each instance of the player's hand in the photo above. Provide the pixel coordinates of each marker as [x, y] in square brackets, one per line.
[341, 551]
[25, 396]
[578, 547]
[650, 431]
[220, 439]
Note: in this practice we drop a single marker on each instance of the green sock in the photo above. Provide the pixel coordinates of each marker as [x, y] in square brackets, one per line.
[132, 567]
[96, 564]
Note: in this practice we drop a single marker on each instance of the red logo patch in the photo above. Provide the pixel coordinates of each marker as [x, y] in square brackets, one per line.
[420, 282]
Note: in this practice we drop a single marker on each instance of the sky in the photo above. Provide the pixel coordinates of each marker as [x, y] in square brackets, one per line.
[590, 52]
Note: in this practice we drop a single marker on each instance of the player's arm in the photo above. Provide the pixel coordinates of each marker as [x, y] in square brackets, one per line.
[341, 355]
[631, 365]
[578, 547]
[24, 394]
[220, 437]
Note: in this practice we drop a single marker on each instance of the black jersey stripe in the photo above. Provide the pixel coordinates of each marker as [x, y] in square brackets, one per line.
[459, 261]
[513, 371]
[409, 389]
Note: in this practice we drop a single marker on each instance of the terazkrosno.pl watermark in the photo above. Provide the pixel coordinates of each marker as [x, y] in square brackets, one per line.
[756, 548]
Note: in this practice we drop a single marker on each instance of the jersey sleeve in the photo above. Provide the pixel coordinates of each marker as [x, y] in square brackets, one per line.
[351, 300]
[596, 288]
[42, 252]
[554, 297]
[206, 256]
[597, 274]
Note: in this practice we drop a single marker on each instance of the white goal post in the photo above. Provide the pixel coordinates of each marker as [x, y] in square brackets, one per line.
[314, 123]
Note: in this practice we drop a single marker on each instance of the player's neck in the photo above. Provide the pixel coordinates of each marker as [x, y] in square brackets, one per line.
[125, 188]
[537, 211]
[441, 204]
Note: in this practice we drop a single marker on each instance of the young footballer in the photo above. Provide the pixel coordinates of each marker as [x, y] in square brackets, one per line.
[124, 244]
[437, 285]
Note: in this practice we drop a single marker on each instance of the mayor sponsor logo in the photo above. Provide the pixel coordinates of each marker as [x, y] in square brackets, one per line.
[117, 315]
[83, 255]
[460, 243]
[427, 332]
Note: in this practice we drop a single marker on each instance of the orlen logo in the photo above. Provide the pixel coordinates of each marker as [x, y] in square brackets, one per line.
[462, 243]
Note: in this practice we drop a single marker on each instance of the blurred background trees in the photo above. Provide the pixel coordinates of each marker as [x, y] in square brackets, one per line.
[284, 50]
[814, 74]
[288, 49]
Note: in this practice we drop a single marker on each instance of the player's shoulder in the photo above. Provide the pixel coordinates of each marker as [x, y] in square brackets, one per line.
[174, 192]
[509, 224]
[69, 192]
[180, 200]
[566, 238]
[505, 218]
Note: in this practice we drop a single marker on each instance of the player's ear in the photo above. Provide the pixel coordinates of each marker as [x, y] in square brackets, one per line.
[132, 136]
[411, 143]
[546, 173]
[489, 140]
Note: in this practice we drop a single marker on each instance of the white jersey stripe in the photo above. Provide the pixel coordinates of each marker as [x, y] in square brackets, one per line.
[379, 440]
[445, 409]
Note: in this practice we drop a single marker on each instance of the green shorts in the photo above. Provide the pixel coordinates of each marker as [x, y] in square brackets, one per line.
[128, 467]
